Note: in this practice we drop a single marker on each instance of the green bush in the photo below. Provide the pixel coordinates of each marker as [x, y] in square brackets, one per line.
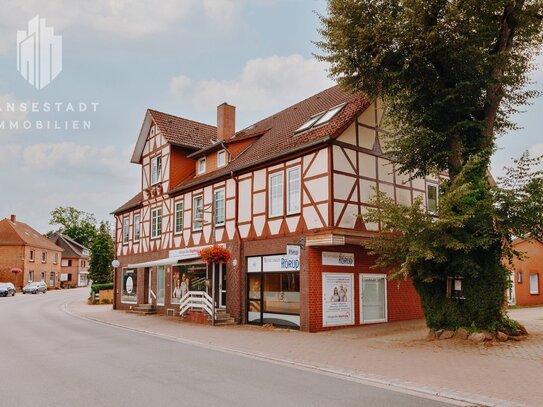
[98, 287]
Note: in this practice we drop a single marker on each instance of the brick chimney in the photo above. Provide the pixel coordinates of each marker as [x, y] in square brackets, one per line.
[13, 218]
[226, 121]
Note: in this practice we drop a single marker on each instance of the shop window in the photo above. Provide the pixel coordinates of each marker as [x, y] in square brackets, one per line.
[129, 291]
[534, 283]
[161, 285]
[281, 293]
[454, 288]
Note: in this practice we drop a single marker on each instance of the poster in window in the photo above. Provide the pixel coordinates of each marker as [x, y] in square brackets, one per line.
[130, 286]
[338, 299]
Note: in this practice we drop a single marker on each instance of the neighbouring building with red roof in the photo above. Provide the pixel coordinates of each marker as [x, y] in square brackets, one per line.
[75, 261]
[527, 273]
[26, 255]
[285, 196]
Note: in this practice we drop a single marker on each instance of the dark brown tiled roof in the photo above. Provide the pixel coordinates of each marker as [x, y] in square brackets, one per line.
[72, 249]
[132, 203]
[279, 131]
[180, 131]
[19, 233]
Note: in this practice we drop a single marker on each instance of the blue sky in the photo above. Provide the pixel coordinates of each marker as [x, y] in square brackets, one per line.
[181, 57]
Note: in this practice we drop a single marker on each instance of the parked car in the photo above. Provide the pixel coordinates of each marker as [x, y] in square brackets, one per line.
[7, 289]
[34, 288]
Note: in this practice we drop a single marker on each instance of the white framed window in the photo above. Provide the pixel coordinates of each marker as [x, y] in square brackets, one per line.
[534, 283]
[126, 229]
[65, 263]
[30, 276]
[56, 258]
[156, 222]
[221, 158]
[156, 169]
[275, 194]
[201, 165]
[293, 190]
[178, 217]
[32, 255]
[432, 198]
[218, 204]
[137, 227]
[198, 213]
[44, 257]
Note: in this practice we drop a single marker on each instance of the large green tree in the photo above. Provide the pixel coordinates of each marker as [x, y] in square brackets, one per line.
[450, 74]
[80, 226]
[102, 252]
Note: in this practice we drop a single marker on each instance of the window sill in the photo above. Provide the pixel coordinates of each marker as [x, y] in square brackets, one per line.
[220, 225]
[155, 237]
[294, 214]
[275, 216]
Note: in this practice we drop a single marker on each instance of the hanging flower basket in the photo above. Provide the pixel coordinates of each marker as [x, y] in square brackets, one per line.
[215, 254]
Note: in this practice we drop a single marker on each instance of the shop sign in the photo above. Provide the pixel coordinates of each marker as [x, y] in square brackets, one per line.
[337, 299]
[293, 251]
[280, 262]
[189, 252]
[337, 259]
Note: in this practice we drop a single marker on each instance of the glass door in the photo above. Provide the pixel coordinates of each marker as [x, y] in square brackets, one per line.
[161, 285]
[254, 310]
[373, 298]
[222, 285]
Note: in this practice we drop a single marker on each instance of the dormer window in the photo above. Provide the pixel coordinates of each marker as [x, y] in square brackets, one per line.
[201, 165]
[156, 169]
[221, 158]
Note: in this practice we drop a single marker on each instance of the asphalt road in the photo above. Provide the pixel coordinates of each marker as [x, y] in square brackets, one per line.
[51, 358]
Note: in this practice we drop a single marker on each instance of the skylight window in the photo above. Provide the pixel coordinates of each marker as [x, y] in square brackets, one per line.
[310, 122]
[329, 115]
[320, 118]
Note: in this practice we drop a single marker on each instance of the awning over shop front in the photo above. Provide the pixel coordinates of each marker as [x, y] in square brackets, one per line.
[16, 270]
[169, 261]
[162, 262]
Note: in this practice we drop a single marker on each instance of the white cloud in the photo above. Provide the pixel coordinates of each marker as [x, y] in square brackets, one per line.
[7, 116]
[71, 157]
[264, 84]
[9, 153]
[123, 18]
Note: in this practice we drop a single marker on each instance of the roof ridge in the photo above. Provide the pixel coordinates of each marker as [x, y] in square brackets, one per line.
[291, 106]
[182, 118]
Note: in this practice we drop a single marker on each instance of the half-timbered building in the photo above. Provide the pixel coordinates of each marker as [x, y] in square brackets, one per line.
[301, 179]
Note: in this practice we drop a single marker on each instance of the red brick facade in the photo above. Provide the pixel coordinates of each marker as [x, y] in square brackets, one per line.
[525, 269]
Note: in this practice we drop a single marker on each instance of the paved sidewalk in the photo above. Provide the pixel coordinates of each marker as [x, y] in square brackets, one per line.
[395, 353]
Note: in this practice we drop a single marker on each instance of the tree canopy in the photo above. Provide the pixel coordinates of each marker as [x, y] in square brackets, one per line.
[450, 74]
[102, 253]
[79, 225]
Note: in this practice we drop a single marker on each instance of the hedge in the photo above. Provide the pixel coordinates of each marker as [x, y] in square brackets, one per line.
[98, 287]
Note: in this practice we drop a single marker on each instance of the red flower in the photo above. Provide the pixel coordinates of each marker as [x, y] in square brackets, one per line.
[215, 254]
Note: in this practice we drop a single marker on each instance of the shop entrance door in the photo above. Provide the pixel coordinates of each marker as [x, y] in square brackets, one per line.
[222, 285]
[373, 298]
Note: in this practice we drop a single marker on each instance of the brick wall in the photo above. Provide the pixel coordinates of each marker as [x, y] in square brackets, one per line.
[403, 302]
[531, 264]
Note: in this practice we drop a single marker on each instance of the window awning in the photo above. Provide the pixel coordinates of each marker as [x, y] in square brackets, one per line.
[162, 262]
